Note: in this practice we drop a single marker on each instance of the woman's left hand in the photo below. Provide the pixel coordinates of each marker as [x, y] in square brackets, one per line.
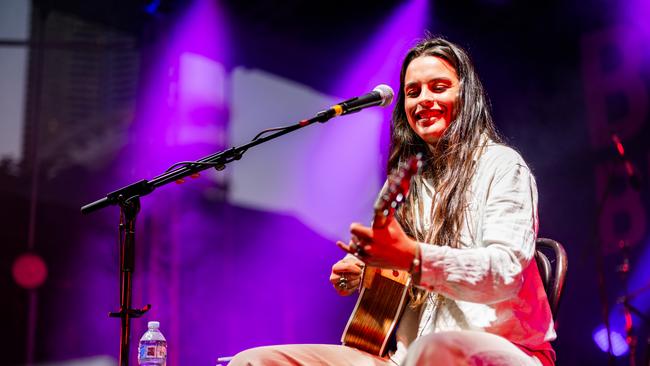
[386, 247]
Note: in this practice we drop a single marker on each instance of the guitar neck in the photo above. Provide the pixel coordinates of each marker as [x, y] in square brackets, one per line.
[383, 291]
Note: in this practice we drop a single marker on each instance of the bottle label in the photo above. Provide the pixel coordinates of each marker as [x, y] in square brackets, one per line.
[152, 351]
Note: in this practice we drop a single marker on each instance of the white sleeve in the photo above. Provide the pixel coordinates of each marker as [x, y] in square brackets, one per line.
[492, 270]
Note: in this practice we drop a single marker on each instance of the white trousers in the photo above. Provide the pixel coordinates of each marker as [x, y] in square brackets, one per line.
[466, 348]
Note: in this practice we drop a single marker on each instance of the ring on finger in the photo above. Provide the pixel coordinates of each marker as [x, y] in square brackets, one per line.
[356, 249]
[343, 283]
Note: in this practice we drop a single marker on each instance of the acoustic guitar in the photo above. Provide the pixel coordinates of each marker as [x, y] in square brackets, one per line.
[382, 296]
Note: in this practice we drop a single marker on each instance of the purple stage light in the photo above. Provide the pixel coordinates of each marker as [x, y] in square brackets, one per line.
[635, 14]
[619, 346]
[379, 61]
[181, 115]
[614, 59]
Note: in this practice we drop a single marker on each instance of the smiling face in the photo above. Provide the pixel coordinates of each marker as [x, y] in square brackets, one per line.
[431, 89]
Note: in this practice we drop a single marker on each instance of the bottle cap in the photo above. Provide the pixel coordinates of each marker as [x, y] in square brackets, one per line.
[153, 325]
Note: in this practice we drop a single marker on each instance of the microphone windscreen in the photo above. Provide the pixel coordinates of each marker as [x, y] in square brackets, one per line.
[386, 93]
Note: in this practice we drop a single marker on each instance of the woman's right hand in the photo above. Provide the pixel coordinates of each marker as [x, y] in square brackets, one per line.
[349, 268]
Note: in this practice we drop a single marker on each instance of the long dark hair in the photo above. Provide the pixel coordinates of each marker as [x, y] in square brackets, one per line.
[449, 165]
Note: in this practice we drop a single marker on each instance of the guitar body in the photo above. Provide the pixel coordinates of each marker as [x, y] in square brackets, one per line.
[382, 297]
[380, 304]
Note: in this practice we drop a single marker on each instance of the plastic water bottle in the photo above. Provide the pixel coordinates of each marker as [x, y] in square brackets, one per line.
[152, 350]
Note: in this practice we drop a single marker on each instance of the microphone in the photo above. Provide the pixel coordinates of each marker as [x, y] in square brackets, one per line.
[381, 95]
[632, 175]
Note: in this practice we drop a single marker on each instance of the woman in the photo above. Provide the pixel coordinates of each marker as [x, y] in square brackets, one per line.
[466, 233]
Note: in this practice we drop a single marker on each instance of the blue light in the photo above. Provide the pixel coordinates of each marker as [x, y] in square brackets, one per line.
[619, 345]
[152, 7]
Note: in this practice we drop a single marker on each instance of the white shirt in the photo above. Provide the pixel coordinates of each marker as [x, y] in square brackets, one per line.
[491, 282]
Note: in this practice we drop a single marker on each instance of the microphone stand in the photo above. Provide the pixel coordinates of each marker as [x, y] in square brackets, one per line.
[634, 183]
[128, 198]
[600, 269]
[629, 309]
[623, 269]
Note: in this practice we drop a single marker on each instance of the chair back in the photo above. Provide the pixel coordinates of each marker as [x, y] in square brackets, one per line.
[552, 263]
